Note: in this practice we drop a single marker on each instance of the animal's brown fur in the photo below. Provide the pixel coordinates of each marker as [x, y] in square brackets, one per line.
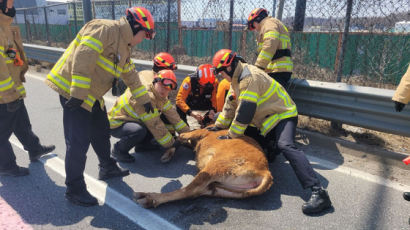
[233, 168]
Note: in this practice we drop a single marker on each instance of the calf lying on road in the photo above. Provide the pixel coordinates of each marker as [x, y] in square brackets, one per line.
[233, 168]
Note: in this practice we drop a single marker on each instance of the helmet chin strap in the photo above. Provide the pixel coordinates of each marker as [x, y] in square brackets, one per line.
[233, 67]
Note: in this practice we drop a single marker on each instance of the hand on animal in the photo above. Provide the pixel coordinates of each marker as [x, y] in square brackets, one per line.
[225, 137]
[167, 156]
[197, 116]
[213, 128]
[398, 106]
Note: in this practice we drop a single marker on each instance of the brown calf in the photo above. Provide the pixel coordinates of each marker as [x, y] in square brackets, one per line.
[233, 168]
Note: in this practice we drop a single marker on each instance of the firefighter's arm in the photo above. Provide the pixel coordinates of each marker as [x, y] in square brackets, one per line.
[213, 97]
[7, 85]
[132, 80]
[182, 95]
[173, 117]
[269, 47]
[89, 47]
[402, 93]
[245, 112]
[228, 112]
[157, 128]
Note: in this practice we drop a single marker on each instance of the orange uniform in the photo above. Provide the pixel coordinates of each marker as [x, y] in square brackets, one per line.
[188, 98]
[221, 93]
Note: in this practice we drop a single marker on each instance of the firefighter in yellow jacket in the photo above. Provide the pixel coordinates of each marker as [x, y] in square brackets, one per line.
[13, 113]
[130, 122]
[401, 98]
[90, 66]
[263, 105]
[273, 45]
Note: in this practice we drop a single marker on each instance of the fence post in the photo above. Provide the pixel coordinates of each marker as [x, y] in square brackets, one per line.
[274, 8]
[168, 25]
[344, 40]
[26, 23]
[87, 11]
[179, 24]
[113, 9]
[47, 27]
[129, 3]
[280, 9]
[75, 18]
[230, 23]
[299, 15]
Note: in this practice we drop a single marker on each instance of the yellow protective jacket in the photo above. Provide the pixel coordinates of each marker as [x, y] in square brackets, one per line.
[402, 93]
[262, 102]
[185, 93]
[273, 38]
[127, 108]
[98, 54]
[223, 89]
[11, 76]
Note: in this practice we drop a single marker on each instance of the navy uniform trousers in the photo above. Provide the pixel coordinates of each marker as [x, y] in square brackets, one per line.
[16, 122]
[82, 128]
[283, 137]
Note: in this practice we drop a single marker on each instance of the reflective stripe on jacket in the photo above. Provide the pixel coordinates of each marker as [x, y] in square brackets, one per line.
[97, 55]
[402, 93]
[262, 102]
[273, 36]
[11, 76]
[126, 108]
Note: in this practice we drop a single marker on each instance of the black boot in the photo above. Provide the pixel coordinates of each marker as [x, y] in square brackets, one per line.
[81, 198]
[112, 171]
[318, 202]
[34, 156]
[406, 196]
[122, 156]
[14, 171]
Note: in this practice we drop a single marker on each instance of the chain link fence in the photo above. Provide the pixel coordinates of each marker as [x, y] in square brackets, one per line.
[362, 42]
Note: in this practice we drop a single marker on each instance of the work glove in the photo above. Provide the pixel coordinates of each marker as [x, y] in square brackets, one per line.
[398, 106]
[213, 128]
[169, 153]
[225, 137]
[73, 103]
[14, 105]
[148, 107]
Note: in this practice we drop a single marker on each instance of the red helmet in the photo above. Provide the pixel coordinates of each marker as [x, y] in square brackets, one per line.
[256, 15]
[205, 73]
[222, 59]
[165, 60]
[143, 17]
[167, 78]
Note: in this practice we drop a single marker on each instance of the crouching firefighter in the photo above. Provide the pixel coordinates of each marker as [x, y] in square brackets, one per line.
[132, 124]
[198, 92]
[13, 113]
[100, 53]
[264, 106]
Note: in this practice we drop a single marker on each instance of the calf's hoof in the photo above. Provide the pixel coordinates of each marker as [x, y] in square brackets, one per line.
[144, 199]
[167, 156]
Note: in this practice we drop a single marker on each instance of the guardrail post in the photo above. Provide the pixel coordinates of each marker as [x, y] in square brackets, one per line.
[47, 27]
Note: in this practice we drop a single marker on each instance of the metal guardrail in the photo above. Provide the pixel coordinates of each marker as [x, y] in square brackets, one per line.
[355, 105]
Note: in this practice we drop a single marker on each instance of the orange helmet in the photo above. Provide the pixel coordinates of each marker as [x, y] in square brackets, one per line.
[167, 78]
[256, 15]
[165, 60]
[141, 16]
[205, 73]
[222, 59]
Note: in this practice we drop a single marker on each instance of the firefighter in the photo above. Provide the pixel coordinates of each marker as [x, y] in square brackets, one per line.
[221, 94]
[135, 132]
[130, 122]
[13, 113]
[90, 66]
[273, 45]
[401, 97]
[198, 92]
[264, 105]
